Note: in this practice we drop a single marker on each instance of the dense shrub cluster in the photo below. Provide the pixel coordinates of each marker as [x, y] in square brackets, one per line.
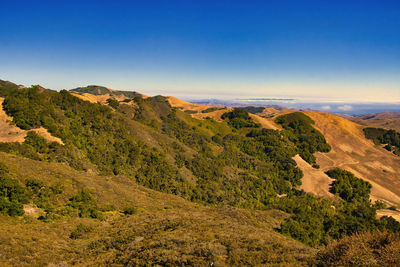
[318, 221]
[390, 138]
[239, 118]
[85, 204]
[254, 110]
[212, 109]
[349, 187]
[298, 128]
[12, 194]
[112, 102]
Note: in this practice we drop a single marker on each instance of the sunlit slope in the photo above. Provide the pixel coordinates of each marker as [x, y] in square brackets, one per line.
[166, 229]
[350, 150]
[387, 120]
[96, 93]
[353, 152]
[204, 111]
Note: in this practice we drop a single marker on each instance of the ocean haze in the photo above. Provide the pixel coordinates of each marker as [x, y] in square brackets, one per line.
[341, 107]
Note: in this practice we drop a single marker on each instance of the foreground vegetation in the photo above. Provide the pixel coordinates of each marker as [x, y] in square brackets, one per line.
[138, 226]
[108, 150]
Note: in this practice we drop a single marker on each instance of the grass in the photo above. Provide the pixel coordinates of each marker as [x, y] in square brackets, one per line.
[366, 249]
[164, 229]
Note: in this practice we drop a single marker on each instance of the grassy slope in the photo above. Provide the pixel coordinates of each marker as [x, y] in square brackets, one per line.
[353, 152]
[387, 120]
[166, 229]
[350, 150]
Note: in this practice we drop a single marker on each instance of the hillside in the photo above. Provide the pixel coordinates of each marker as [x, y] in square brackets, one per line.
[95, 93]
[352, 151]
[164, 229]
[386, 119]
[158, 180]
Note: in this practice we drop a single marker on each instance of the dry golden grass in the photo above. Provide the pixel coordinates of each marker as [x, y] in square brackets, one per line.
[216, 115]
[315, 180]
[386, 120]
[366, 249]
[353, 152]
[384, 123]
[97, 98]
[265, 123]
[271, 112]
[179, 103]
[9, 132]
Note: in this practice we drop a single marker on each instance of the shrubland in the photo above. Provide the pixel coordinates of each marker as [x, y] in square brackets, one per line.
[233, 163]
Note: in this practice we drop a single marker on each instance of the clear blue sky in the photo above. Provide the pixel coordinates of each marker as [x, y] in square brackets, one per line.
[343, 50]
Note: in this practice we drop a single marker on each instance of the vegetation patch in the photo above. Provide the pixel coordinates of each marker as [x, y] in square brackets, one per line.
[212, 109]
[364, 249]
[298, 128]
[389, 138]
[239, 118]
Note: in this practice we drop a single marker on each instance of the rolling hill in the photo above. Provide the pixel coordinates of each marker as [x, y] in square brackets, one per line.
[386, 119]
[112, 177]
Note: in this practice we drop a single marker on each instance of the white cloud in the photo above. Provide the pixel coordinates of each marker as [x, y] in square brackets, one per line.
[327, 107]
[345, 107]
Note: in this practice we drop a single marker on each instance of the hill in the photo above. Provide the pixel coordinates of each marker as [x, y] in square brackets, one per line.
[159, 180]
[163, 229]
[96, 93]
[386, 119]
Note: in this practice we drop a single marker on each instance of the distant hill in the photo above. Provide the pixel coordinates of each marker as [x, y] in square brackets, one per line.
[386, 119]
[101, 93]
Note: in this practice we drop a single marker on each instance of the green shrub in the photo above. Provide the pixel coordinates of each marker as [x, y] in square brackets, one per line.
[130, 210]
[298, 128]
[239, 118]
[12, 195]
[349, 187]
[85, 204]
[80, 231]
[390, 138]
[112, 102]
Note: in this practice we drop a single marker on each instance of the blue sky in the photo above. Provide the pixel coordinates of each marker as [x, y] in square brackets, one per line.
[329, 50]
